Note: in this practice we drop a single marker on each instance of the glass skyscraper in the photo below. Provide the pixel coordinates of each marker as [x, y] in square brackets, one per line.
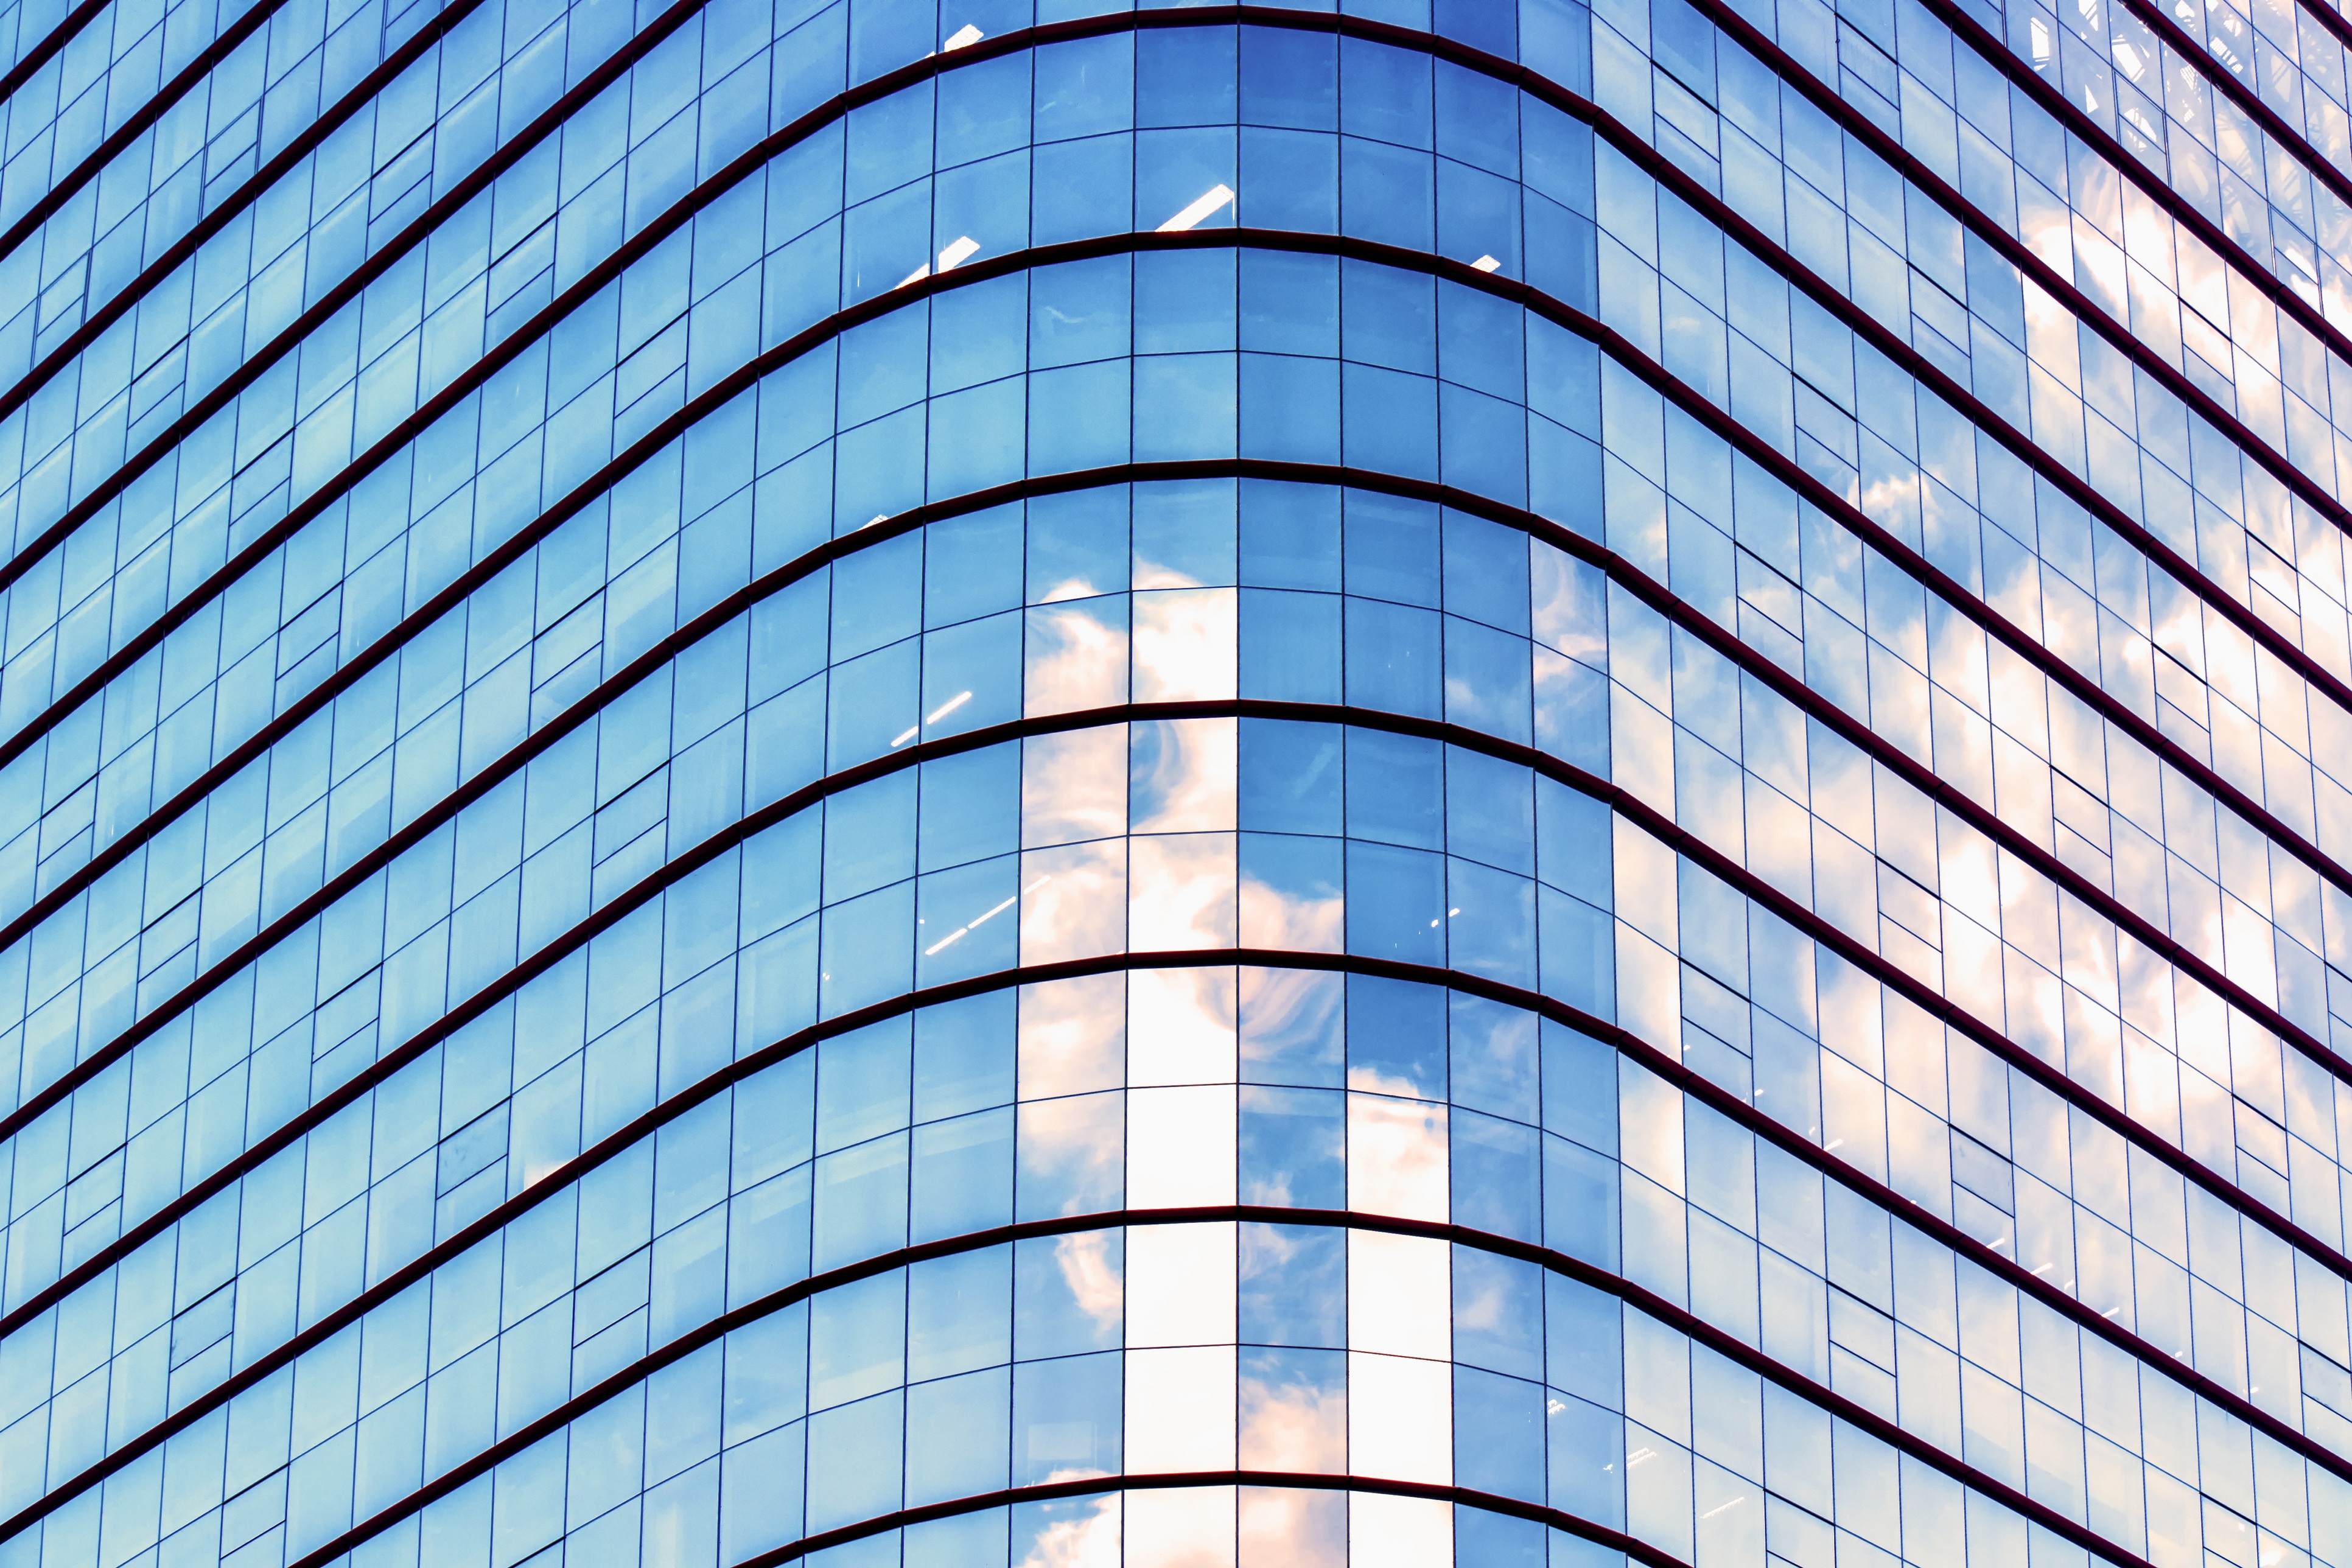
[995, 783]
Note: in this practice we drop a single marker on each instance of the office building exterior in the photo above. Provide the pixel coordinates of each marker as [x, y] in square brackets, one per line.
[999, 783]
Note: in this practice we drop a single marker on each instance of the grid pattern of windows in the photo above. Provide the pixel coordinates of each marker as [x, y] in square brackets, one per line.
[1006, 784]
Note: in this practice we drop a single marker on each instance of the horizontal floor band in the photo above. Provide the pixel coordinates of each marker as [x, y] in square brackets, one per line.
[1297, 1480]
[708, 190]
[223, 45]
[1859, 734]
[775, 582]
[1698, 1329]
[95, 324]
[1728, 1104]
[48, 48]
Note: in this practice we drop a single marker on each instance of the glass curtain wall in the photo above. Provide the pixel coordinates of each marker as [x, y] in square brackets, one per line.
[986, 784]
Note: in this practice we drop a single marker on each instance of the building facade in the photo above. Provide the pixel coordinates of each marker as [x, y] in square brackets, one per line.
[1001, 784]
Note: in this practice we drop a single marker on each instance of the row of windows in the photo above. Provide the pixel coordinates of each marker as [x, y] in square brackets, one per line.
[865, 952]
[117, 578]
[90, 620]
[173, 178]
[2284, 560]
[111, 67]
[2250, 882]
[65, 828]
[2023, 173]
[332, 215]
[1484, 682]
[651, 1252]
[2121, 72]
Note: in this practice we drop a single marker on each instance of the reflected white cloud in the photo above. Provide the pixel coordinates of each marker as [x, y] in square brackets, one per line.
[1089, 1542]
[1292, 1013]
[1396, 1149]
[1075, 656]
[1097, 1287]
[1181, 1146]
[1180, 1409]
[1181, 893]
[1073, 1154]
[1184, 1280]
[1398, 1532]
[1073, 785]
[1400, 1295]
[1272, 918]
[1182, 776]
[1294, 1425]
[1187, 644]
[1074, 902]
[1180, 1527]
[1180, 1026]
[1071, 1036]
[1282, 1527]
[1401, 1419]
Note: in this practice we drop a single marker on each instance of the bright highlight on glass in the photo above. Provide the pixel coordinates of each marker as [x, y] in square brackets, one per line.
[963, 37]
[936, 714]
[959, 251]
[1484, 264]
[963, 930]
[1208, 202]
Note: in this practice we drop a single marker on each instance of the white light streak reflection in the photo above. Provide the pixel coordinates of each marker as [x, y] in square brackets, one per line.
[1486, 264]
[1206, 203]
[958, 252]
[963, 37]
[963, 930]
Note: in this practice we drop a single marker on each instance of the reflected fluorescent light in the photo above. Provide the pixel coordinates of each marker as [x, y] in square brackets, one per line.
[959, 251]
[950, 706]
[1640, 1456]
[878, 516]
[905, 735]
[963, 930]
[1488, 264]
[1724, 1507]
[1208, 202]
[963, 37]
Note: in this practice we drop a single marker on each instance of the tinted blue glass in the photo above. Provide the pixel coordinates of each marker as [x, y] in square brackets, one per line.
[598, 965]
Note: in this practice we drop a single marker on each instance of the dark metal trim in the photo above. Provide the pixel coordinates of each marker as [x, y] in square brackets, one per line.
[1658, 1061]
[1698, 1329]
[50, 45]
[1724, 642]
[130, 131]
[1639, 150]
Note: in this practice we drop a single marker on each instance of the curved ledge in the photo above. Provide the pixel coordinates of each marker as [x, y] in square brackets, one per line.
[1857, 733]
[1639, 150]
[1697, 1329]
[1665, 1065]
[131, 130]
[51, 45]
[1661, 827]
[1996, 54]
[2019, 255]
[1307, 1481]
[250, 366]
